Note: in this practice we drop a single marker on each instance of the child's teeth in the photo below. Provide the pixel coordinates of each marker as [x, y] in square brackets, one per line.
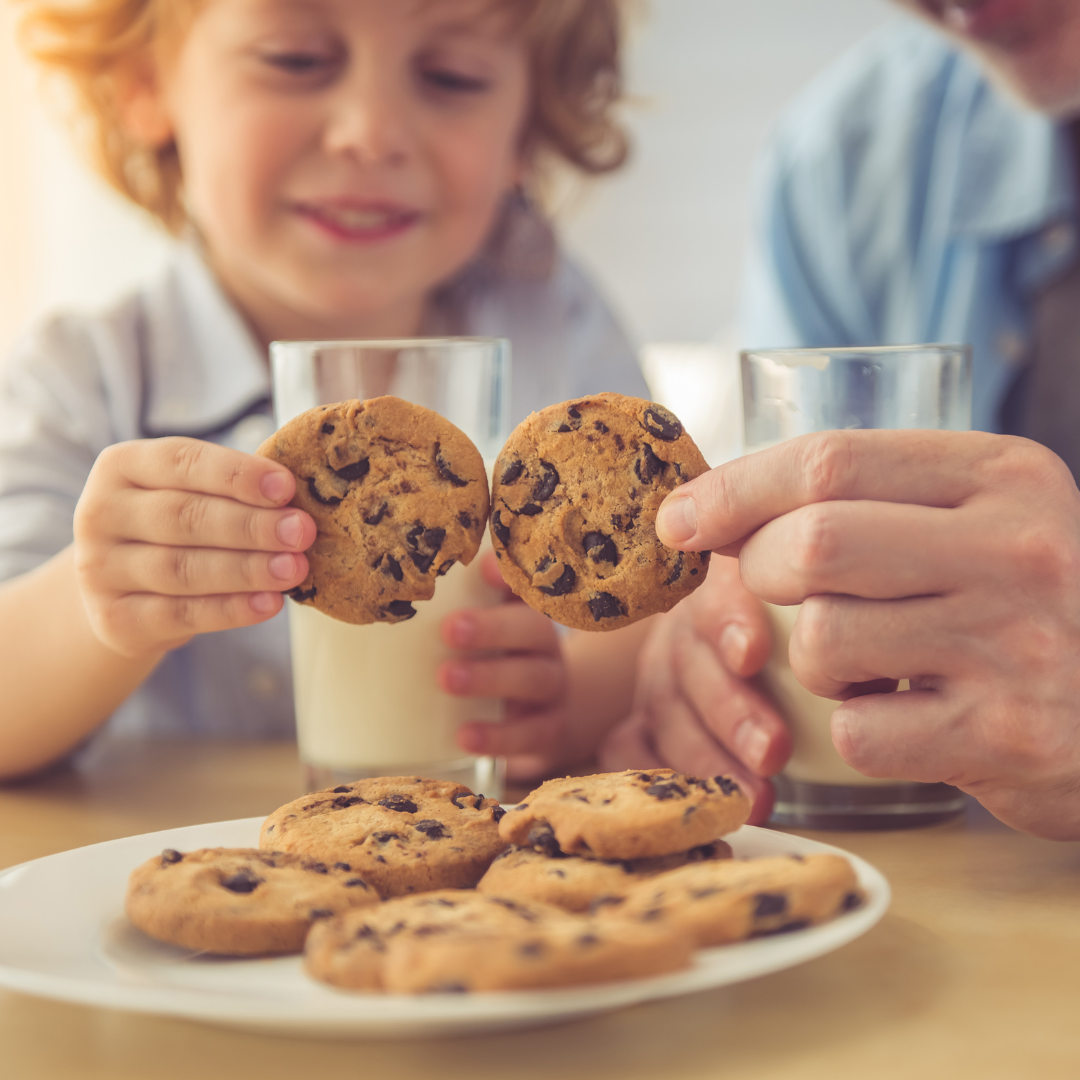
[361, 219]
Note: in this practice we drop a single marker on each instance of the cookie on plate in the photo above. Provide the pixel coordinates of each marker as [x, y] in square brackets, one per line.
[454, 942]
[402, 834]
[239, 901]
[398, 494]
[574, 499]
[721, 902]
[637, 814]
[576, 884]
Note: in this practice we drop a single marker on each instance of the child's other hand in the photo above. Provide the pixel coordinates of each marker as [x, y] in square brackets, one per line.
[176, 537]
[531, 678]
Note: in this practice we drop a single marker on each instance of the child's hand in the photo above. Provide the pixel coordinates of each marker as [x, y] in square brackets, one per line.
[531, 678]
[176, 537]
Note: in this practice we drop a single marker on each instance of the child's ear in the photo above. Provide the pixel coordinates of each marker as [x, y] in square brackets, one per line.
[141, 103]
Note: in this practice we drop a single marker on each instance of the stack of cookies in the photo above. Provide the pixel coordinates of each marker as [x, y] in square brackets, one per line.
[407, 885]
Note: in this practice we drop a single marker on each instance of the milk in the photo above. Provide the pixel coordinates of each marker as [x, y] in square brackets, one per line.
[366, 696]
[813, 758]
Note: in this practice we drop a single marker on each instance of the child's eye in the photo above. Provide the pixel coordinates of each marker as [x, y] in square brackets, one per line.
[453, 81]
[299, 63]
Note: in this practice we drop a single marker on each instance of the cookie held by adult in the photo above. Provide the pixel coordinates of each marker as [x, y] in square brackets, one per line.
[574, 500]
[239, 901]
[398, 494]
[402, 834]
[636, 814]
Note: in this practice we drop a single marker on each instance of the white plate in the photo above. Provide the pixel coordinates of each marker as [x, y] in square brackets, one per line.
[63, 934]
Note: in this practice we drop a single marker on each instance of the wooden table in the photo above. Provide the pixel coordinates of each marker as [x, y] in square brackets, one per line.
[975, 972]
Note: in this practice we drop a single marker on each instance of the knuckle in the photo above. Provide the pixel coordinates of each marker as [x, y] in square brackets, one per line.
[254, 526]
[186, 611]
[184, 568]
[816, 542]
[185, 455]
[191, 514]
[826, 463]
[251, 569]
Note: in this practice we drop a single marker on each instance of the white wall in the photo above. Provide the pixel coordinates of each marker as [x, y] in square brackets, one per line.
[665, 236]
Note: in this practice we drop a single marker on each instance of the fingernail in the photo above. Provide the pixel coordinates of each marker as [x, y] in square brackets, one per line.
[263, 603]
[290, 530]
[457, 678]
[751, 744]
[734, 645]
[676, 521]
[282, 566]
[276, 486]
[462, 631]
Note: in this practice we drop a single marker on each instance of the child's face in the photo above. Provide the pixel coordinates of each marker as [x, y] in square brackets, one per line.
[342, 157]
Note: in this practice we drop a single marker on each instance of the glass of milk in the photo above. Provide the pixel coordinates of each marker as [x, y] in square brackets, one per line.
[367, 703]
[790, 392]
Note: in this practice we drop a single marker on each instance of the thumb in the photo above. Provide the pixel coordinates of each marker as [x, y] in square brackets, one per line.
[731, 619]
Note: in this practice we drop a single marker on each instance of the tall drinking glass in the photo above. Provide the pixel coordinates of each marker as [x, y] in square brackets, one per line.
[367, 703]
[791, 392]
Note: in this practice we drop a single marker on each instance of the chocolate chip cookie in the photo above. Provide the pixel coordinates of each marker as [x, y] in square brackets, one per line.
[402, 834]
[398, 494]
[576, 884]
[455, 942]
[239, 901]
[721, 902]
[574, 499]
[637, 814]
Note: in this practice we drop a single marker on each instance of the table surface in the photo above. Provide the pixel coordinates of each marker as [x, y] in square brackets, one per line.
[974, 972]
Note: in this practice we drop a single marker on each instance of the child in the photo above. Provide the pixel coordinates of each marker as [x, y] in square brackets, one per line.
[337, 169]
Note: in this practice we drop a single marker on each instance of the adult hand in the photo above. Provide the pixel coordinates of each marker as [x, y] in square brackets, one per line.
[950, 559]
[176, 537]
[694, 709]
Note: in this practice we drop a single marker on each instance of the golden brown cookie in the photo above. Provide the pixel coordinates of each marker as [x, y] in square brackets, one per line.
[720, 902]
[239, 901]
[402, 834]
[637, 814]
[398, 494]
[454, 942]
[576, 884]
[574, 499]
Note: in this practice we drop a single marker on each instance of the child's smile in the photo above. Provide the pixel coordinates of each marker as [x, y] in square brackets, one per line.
[342, 158]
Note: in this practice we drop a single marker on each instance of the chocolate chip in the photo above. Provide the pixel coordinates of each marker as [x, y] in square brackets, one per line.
[501, 531]
[427, 931]
[433, 830]
[652, 914]
[328, 429]
[588, 939]
[331, 500]
[456, 800]
[318, 867]
[601, 427]
[497, 813]
[605, 606]
[676, 571]
[665, 790]
[512, 472]
[243, 881]
[425, 544]
[545, 487]
[649, 466]
[565, 583]
[766, 904]
[726, 784]
[342, 802]
[546, 563]
[342, 866]
[341, 789]
[701, 853]
[465, 520]
[661, 423]
[320, 913]
[385, 837]
[356, 471]
[301, 595]
[701, 894]
[564, 428]
[558, 873]
[170, 856]
[530, 510]
[517, 909]
[601, 548]
[392, 568]
[542, 837]
[693, 572]
[445, 471]
[619, 444]
[444, 567]
[531, 948]
[573, 412]
[401, 803]
[850, 902]
[354, 881]
[398, 609]
[374, 519]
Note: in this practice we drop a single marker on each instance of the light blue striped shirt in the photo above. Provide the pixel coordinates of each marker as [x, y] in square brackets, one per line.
[905, 199]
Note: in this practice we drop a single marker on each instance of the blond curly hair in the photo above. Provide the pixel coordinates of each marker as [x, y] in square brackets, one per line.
[574, 54]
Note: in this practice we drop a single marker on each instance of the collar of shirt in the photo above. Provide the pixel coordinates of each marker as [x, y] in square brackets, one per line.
[204, 368]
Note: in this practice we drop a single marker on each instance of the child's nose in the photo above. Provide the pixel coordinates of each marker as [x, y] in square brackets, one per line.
[370, 118]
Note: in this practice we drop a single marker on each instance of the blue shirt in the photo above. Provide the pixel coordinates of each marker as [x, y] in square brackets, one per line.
[905, 199]
[176, 358]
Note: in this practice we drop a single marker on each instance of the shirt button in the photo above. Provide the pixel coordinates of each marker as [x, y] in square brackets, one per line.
[264, 682]
[1056, 239]
[1012, 346]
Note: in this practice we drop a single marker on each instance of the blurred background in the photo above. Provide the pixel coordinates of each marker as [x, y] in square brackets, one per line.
[665, 237]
